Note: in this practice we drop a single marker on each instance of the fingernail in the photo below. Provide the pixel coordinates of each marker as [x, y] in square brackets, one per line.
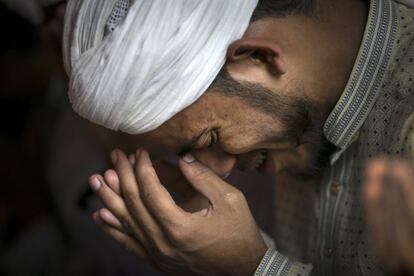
[138, 154]
[203, 212]
[114, 156]
[132, 159]
[189, 158]
[95, 184]
[97, 218]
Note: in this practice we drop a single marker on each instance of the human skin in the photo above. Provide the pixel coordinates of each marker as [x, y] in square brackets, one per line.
[388, 196]
[300, 56]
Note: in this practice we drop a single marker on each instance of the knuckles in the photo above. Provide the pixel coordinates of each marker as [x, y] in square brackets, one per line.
[146, 172]
[180, 235]
[127, 225]
[234, 198]
[163, 251]
[200, 172]
[130, 200]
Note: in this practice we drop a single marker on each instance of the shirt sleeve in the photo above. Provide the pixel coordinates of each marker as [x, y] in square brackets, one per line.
[267, 239]
[274, 263]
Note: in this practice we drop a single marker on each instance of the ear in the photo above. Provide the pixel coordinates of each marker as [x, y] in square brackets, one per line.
[259, 50]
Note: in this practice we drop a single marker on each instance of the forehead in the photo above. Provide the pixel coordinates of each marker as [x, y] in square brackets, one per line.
[210, 111]
[235, 121]
[186, 125]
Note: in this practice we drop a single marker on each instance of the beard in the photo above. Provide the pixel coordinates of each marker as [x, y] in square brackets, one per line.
[302, 119]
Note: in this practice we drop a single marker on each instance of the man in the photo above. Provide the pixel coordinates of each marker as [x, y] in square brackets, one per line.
[309, 93]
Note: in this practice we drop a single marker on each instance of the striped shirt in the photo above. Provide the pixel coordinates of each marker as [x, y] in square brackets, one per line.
[319, 226]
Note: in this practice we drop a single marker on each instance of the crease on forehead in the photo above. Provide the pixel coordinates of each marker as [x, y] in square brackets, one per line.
[200, 115]
[181, 129]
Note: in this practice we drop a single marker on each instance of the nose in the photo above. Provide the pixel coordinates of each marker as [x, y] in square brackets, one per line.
[216, 159]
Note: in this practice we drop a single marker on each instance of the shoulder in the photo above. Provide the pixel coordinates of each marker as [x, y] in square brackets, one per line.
[409, 3]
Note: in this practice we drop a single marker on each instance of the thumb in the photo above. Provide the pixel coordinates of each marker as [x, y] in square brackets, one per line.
[204, 180]
[171, 176]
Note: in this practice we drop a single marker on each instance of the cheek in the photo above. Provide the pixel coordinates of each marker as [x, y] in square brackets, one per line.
[242, 139]
[247, 130]
[238, 144]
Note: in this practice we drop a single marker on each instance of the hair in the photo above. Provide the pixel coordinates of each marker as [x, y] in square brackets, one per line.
[290, 110]
[282, 8]
[303, 119]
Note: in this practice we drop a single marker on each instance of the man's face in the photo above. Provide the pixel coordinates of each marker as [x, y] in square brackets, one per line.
[244, 125]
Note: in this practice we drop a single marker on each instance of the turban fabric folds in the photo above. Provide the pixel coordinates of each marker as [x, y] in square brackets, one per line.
[134, 64]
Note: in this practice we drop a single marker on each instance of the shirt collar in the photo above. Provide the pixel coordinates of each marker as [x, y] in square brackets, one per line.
[366, 79]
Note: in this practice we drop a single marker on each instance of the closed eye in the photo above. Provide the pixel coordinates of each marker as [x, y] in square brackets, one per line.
[213, 138]
[207, 139]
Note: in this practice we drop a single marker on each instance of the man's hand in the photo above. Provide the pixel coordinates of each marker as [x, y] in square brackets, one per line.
[141, 215]
[172, 178]
[389, 200]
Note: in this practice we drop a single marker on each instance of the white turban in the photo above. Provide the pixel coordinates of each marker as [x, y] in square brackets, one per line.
[134, 64]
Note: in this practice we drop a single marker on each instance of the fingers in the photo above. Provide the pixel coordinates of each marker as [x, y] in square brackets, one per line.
[378, 212]
[373, 178]
[111, 178]
[109, 218]
[125, 240]
[115, 204]
[196, 204]
[132, 196]
[404, 172]
[393, 222]
[125, 173]
[403, 211]
[154, 195]
[173, 239]
[140, 209]
[110, 199]
[204, 180]
[132, 159]
[166, 171]
[172, 178]
[389, 197]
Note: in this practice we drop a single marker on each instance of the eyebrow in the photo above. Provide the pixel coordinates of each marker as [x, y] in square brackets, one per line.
[189, 145]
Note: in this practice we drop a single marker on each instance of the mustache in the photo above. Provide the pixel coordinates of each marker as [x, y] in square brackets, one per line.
[302, 118]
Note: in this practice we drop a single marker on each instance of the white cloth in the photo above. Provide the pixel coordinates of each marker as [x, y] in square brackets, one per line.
[159, 59]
